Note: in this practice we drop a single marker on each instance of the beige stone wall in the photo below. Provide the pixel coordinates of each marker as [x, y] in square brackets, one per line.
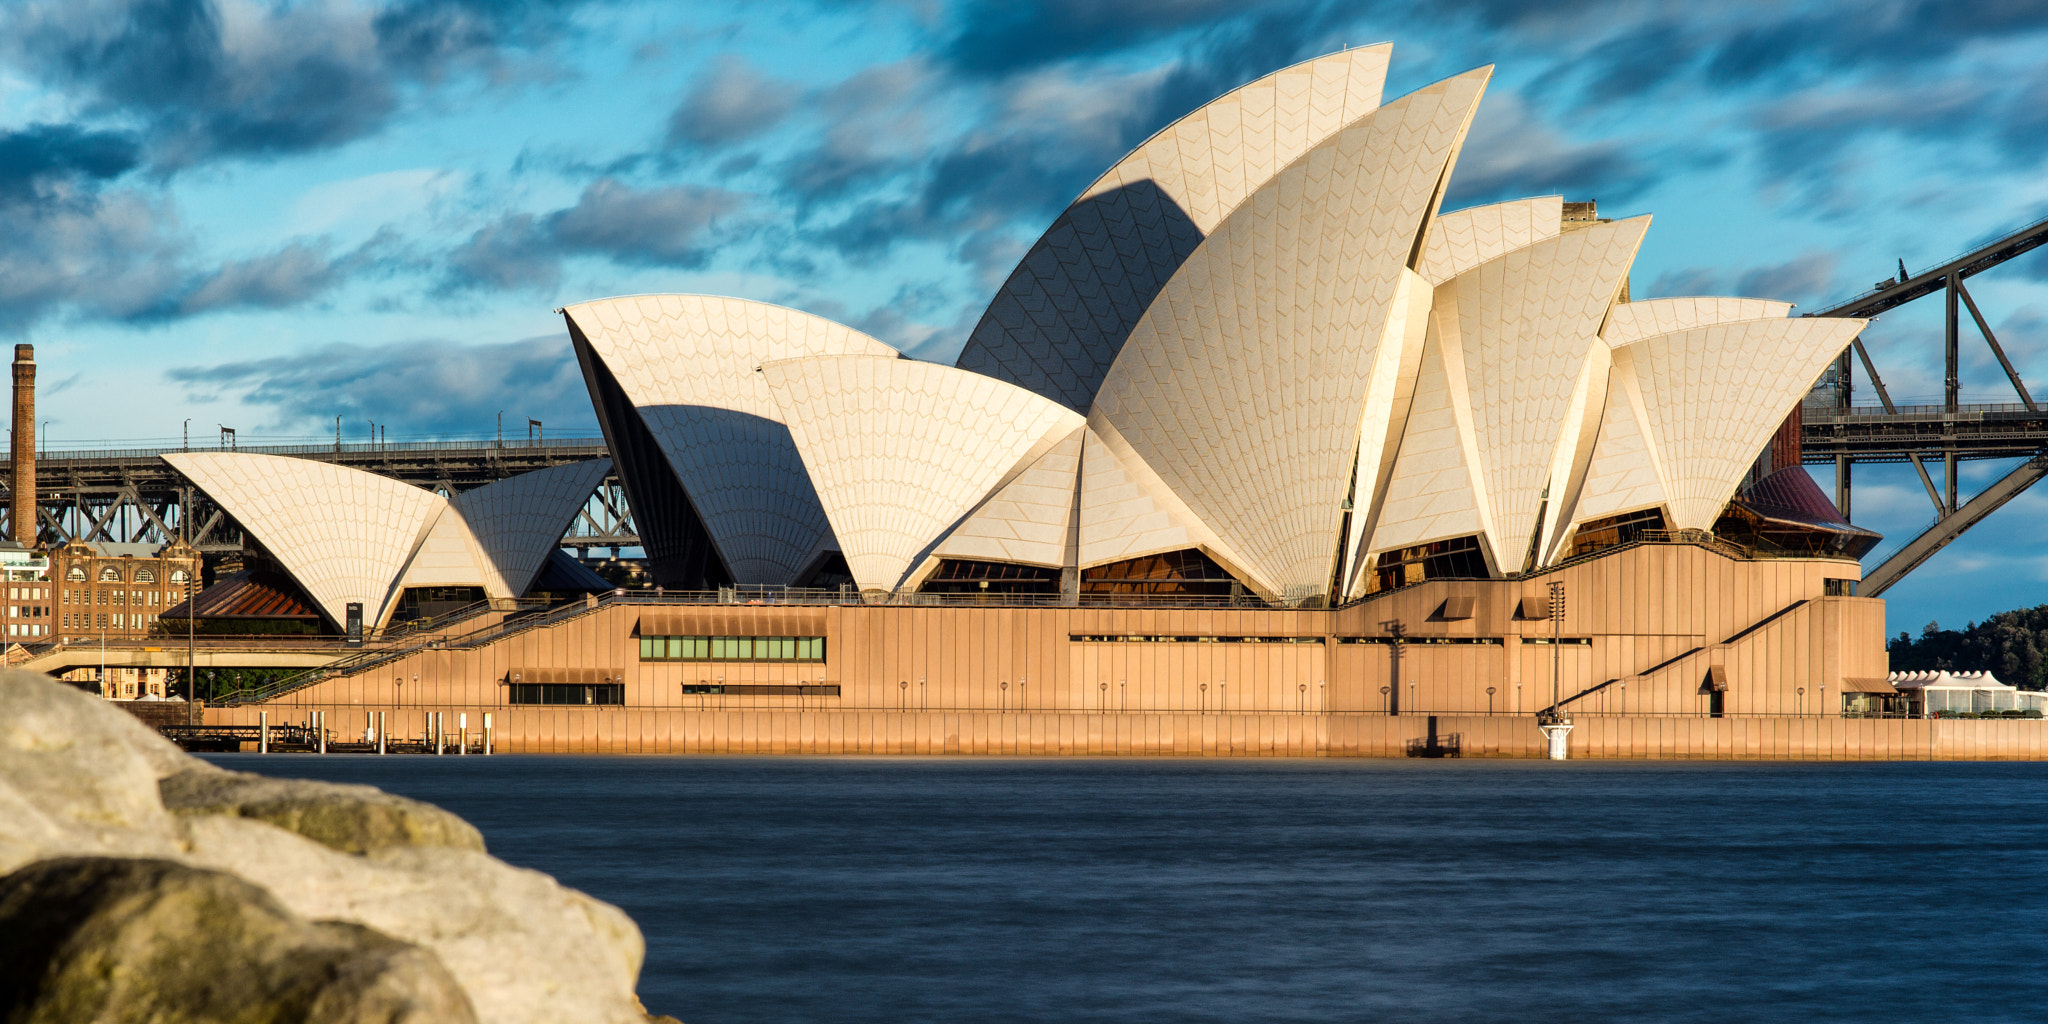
[1637, 609]
[1655, 620]
[632, 730]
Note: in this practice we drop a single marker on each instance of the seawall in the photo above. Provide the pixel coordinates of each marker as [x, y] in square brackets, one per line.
[628, 730]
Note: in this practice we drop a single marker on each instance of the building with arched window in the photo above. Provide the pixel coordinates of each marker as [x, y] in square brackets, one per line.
[116, 591]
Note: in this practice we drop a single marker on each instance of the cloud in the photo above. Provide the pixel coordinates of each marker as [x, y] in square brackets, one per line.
[1510, 154]
[34, 157]
[207, 80]
[298, 272]
[666, 227]
[1805, 278]
[112, 254]
[418, 387]
[1004, 36]
[728, 103]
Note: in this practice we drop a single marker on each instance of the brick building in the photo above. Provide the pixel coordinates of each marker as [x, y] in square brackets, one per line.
[116, 591]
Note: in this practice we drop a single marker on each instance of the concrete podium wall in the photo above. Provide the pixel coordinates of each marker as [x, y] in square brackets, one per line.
[625, 730]
[1655, 622]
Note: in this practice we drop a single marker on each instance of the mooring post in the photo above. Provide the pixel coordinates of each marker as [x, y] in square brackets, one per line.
[462, 733]
[487, 734]
[320, 722]
[439, 733]
[263, 732]
[380, 732]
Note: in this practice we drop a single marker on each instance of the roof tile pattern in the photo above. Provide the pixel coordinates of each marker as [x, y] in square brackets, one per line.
[1712, 396]
[1633, 321]
[1462, 240]
[1624, 475]
[687, 363]
[900, 451]
[518, 521]
[1524, 324]
[449, 557]
[1030, 519]
[342, 533]
[1058, 321]
[1430, 496]
[1243, 387]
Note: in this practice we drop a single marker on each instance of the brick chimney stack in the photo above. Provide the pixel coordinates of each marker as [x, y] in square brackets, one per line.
[22, 513]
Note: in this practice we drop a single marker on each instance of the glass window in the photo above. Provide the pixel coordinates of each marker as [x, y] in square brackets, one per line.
[145, 575]
[109, 574]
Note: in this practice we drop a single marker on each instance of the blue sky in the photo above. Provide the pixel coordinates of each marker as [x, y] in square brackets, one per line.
[266, 215]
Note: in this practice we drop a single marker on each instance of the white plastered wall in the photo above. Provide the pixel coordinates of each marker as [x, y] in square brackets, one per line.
[1244, 386]
[900, 451]
[1058, 321]
[687, 363]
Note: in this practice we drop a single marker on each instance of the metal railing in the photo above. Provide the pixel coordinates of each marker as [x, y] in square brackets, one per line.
[345, 448]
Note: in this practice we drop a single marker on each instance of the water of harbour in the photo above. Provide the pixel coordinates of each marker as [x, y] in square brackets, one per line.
[999, 890]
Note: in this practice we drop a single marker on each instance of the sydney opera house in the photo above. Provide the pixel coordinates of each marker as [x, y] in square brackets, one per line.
[1255, 429]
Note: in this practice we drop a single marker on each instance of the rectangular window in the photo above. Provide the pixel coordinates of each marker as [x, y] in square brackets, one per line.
[732, 648]
[554, 693]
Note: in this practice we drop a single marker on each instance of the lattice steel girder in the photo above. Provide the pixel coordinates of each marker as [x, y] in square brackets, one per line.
[1972, 432]
[1949, 527]
[134, 495]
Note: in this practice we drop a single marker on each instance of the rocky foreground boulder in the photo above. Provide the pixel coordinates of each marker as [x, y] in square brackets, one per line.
[141, 884]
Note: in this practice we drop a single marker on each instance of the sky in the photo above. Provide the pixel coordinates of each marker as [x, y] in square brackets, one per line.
[267, 215]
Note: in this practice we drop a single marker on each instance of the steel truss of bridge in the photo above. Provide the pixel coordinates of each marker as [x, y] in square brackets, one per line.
[1835, 431]
[134, 496]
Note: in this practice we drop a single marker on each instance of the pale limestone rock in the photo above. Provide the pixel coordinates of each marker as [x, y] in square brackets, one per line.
[78, 777]
[352, 819]
[525, 948]
[123, 940]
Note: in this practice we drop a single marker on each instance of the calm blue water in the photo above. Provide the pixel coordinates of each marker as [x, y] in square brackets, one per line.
[813, 890]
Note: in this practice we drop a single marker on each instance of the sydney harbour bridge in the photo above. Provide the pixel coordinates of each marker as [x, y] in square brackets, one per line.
[133, 495]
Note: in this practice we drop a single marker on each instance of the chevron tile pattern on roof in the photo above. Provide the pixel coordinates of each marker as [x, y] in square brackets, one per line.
[900, 451]
[688, 364]
[1524, 324]
[1264, 343]
[518, 521]
[1287, 359]
[1056, 325]
[1712, 397]
[343, 534]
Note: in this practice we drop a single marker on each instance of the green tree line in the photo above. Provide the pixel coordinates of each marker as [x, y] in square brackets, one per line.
[2010, 645]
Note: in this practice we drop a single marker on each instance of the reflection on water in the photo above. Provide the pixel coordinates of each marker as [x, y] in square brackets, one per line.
[797, 890]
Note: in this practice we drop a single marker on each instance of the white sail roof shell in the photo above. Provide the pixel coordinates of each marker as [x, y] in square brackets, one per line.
[519, 521]
[1525, 324]
[1464, 239]
[1634, 321]
[1244, 386]
[900, 451]
[687, 364]
[343, 534]
[1712, 396]
[1030, 519]
[1058, 322]
[347, 536]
